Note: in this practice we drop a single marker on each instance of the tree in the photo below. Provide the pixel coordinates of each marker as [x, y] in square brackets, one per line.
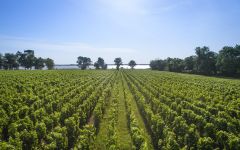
[118, 62]
[132, 64]
[99, 63]
[105, 66]
[211, 63]
[10, 61]
[96, 65]
[206, 61]
[158, 64]
[175, 64]
[1, 61]
[83, 62]
[228, 60]
[49, 63]
[189, 63]
[26, 59]
[39, 63]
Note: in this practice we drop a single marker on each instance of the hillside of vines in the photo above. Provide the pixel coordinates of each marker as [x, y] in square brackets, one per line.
[117, 109]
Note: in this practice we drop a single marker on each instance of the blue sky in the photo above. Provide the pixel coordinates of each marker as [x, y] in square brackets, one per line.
[132, 29]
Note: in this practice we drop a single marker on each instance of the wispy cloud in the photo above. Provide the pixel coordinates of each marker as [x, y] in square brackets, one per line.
[143, 7]
[163, 6]
[62, 52]
[125, 6]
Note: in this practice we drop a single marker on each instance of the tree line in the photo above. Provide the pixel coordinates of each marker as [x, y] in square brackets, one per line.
[85, 62]
[26, 59]
[226, 62]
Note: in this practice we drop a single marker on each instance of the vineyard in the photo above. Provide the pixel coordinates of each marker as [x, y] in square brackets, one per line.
[126, 109]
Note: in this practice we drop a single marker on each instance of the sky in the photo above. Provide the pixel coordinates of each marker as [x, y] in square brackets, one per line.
[141, 30]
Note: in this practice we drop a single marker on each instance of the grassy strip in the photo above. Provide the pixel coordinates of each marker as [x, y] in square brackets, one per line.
[124, 137]
[102, 136]
[136, 118]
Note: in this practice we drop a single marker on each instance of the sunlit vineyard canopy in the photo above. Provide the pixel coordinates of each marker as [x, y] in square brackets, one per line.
[110, 109]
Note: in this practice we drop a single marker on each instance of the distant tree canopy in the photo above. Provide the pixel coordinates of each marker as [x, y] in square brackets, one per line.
[190, 63]
[96, 65]
[39, 63]
[228, 61]
[1, 61]
[83, 62]
[49, 63]
[158, 64]
[206, 62]
[26, 60]
[118, 62]
[10, 61]
[132, 64]
[175, 64]
[100, 64]
[105, 66]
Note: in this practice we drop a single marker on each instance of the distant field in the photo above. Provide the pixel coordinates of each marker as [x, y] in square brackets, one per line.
[109, 109]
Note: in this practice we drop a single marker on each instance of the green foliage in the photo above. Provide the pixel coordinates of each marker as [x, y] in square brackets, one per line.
[64, 109]
[38, 112]
[113, 120]
[135, 131]
[175, 64]
[206, 62]
[49, 63]
[99, 63]
[132, 64]
[96, 65]
[87, 136]
[1, 61]
[39, 63]
[28, 138]
[158, 64]
[58, 138]
[26, 59]
[10, 61]
[72, 130]
[41, 130]
[205, 143]
[177, 107]
[118, 62]
[83, 62]
[6, 146]
[228, 61]
[190, 63]
[191, 137]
